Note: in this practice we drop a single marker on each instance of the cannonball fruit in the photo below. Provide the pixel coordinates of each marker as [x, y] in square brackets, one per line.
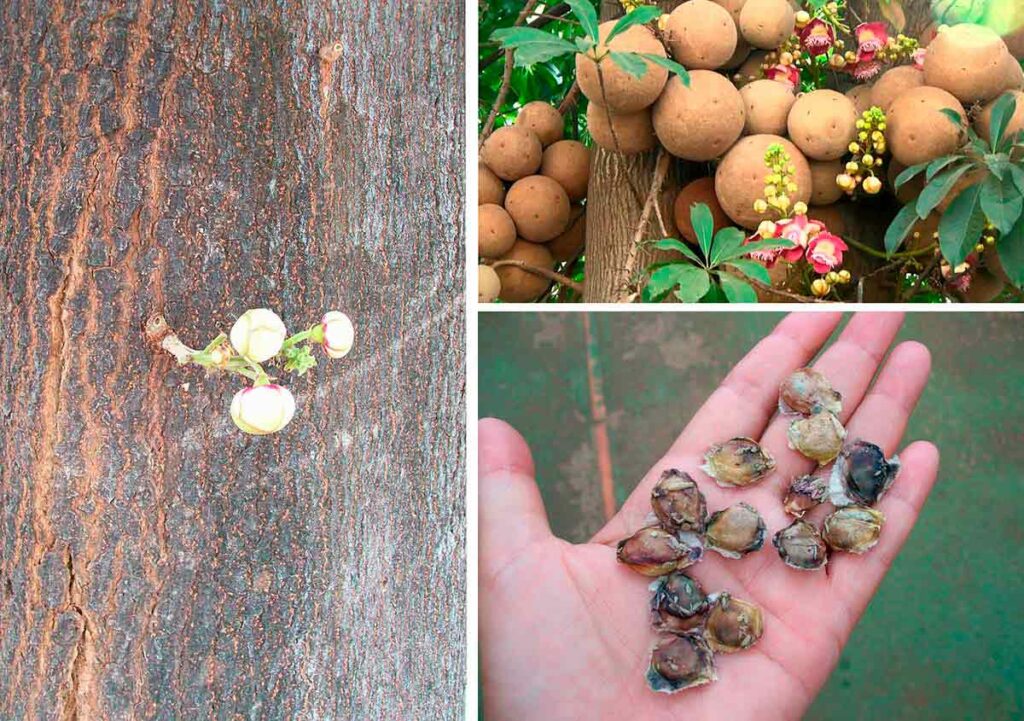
[822, 124]
[569, 244]
[623, 93]
[894, 83]
[701, 34]
[918, 130]
[750, 69]
[539, 207]
[543, 119]
[522, 286]
[983, 125]
[967, 61]
[739, 180]
[767, 104]
[496, 231]
[740, 55]
[626, 133]
[488, 285]
[512, 152]
[490, 189]
[701, 190]
[568, 162]
[824, 189]
[766, 24]
[699, 122]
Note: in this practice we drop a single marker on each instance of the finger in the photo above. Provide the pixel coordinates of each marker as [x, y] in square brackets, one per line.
[512, 512]
[850, 363]
[856, 578]
[741, 406]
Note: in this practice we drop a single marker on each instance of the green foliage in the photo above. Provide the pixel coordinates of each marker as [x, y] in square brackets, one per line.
[298, 359]
[997, 197]
[717, 274]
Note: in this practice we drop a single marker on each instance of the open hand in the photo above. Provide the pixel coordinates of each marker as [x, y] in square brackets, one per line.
[565, 629]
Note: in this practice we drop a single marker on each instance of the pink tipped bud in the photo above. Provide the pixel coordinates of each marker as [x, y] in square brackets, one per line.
[338, 334]
[258, 334]
[262, 410]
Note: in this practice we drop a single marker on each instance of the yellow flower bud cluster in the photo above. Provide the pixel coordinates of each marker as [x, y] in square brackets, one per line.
[778, 183]
[822, 286]
[867, 151]
[898, 49]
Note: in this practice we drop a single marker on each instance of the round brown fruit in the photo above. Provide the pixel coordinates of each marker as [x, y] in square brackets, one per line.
[985, 287]
[983, 124]
[496, 233]
[767, 104]
[766, 24]
[860, 96]
[569, 244]
[894, 83]
[627, 133]
[735, 7]
[743, 50]
[699, 122]
[918, 130]
[543, 119]
[539, 207]
[623, 93]
[488, 286]
[522, 286]
[701, 190]
[739, 180]
[1014, 74]
[701, 35]
[824, 189]
[750, 69]
[568, 162]
[967, 61]
[490, 189]
[831, 216]
[512, 152]
[822, 124]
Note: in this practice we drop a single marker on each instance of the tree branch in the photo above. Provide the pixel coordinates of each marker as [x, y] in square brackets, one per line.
[542, 272]
[660, 171]
[506, 78]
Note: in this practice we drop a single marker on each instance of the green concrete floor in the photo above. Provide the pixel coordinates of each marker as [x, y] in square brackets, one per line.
[944, 636]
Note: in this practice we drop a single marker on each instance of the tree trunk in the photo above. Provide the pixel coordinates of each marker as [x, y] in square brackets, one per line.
[197, 159]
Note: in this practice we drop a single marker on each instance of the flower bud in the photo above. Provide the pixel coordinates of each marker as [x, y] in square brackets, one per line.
[820, 287]
[261, 410]
[338, 334]
[258, 334]
[872, 185]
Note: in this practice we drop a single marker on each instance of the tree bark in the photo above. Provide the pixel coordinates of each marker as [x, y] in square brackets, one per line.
[197, 159]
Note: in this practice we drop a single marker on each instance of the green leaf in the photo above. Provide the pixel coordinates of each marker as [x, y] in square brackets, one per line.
[671, 65]
[753, 269]
[909, 174]
[704, 226]
[1002, 203]
[938, 189]
[693, 285]
[640, 16]
[1018, 177]
[900, 227]
[298, 359]
[676, 244]
[587, 16]
[689, 278]
[531, 45]
[727, 244]
[961, 226]
[1002, 112]
[1011, 253]
[998, 164]
[736, 290]
[940, 164]
[584, 45]
[629, 62]
[955, 117]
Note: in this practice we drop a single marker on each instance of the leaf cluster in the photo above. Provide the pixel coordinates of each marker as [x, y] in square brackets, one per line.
[717, 274]
[996, 196]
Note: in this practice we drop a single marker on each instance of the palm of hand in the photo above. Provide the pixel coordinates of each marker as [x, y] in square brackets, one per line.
[565, 629]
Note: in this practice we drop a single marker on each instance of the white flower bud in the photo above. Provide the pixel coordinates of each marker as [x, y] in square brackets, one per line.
[338, 334]
[258, 334]
[261, 410]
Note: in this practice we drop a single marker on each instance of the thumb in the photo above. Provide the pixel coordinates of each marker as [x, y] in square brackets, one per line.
[511, 512]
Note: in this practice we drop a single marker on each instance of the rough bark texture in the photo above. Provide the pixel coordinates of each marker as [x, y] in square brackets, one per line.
[196, 159]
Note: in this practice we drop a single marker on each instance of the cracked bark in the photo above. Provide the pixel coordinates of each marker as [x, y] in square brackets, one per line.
[198, 159]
